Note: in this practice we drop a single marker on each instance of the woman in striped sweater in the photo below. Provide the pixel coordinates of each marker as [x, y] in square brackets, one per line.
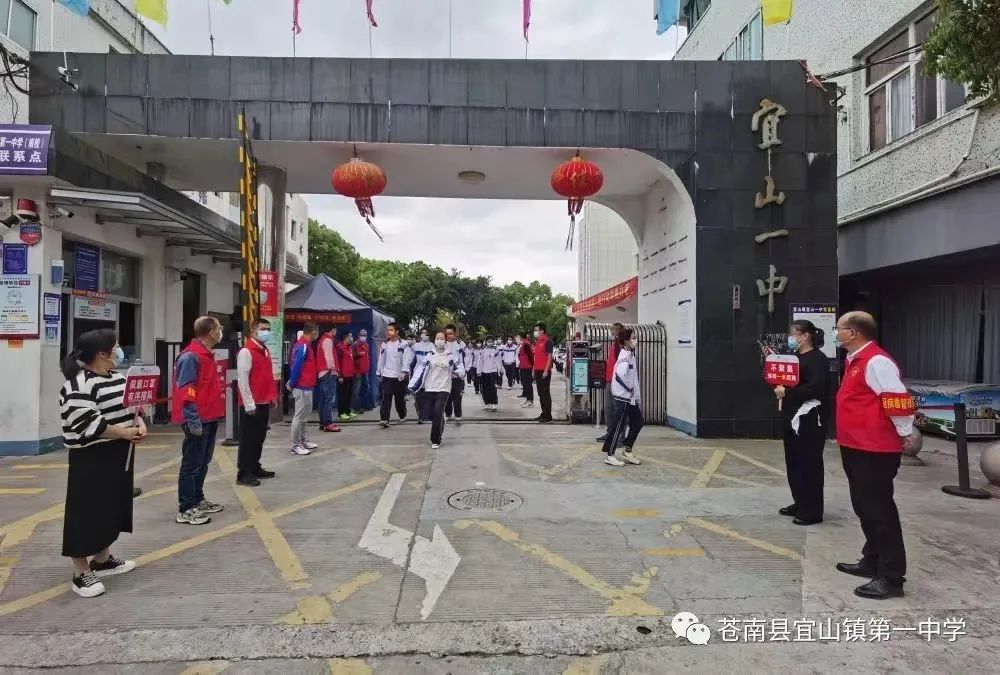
[98, 431]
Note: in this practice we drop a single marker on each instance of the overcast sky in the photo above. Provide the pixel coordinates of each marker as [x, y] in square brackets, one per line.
[560, 29]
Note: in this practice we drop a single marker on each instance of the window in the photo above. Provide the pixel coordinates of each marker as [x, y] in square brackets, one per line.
[120, 275]
[749, 44]
[693, 10]
[17, 21]
[294, 230]
[901, 96]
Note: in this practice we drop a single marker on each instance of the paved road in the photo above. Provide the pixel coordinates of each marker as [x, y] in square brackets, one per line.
[369, 556]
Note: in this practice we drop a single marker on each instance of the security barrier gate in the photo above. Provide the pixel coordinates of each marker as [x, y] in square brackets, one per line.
[651, 361]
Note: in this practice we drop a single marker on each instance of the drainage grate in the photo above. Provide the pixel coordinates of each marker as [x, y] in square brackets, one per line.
[485, 499]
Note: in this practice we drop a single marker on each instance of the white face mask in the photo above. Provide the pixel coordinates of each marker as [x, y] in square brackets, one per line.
[424, 338]
[633, 343]
[536, 334]
[439, 344]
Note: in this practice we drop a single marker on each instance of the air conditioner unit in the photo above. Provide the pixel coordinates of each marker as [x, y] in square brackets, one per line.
[177, 257]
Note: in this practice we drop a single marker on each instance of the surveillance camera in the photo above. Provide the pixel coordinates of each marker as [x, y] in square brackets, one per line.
[60, 212]
[66, 75]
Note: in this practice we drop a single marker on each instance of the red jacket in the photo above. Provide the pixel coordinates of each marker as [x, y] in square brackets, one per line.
[346, 359]
[362, 358]
[862, 415]
[263, 388]
[321, 363]
[543, 353]
[614, 349]
[206, 391]
[524, 355]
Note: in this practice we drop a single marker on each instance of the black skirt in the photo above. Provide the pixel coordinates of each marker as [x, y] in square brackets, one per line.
[98, 498]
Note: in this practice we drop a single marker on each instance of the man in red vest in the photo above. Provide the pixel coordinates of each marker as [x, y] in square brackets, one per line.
[258, 393]
[525, 353]
[362, 364]
[198, 403]
[345, 383]
[326, 384]
[874, 424]
[302, 376]
[542, 364]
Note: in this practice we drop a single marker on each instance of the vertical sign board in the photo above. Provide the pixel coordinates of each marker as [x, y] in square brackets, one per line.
[52, 315]
[15, 259]
[249, 247]
[19, 298]
[221, 366]
[823, 316]
[87, 267]
[268, 285]
[24, 149]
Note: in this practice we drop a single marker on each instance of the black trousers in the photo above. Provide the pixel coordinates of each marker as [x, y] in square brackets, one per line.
[544, 395]
[869, 477]
[422, 401]
[436, 402]
[454, 404]
[527, 391]
[624, 421]
[253, 432]
[344, 390]
[393, 389]
[804, 465]
[489, 388]
[511, 371]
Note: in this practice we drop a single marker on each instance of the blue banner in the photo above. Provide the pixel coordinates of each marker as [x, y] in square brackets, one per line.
[81, 7]
[667, 13]
[24, 149]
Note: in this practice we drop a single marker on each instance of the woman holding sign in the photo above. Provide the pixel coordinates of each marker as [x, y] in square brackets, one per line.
[805, 411]
[98, 431]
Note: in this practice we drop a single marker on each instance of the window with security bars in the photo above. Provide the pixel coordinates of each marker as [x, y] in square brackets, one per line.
[901, 95]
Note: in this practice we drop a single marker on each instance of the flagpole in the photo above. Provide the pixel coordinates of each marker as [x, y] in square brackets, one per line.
[211, 33]
[370, 47]
[449, 27]
[52, 27]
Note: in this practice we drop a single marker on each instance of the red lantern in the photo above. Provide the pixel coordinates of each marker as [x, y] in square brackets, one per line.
[576, 180]
[360, 180]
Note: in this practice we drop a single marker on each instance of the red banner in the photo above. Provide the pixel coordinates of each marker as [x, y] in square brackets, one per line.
[318, 317]
[267, 283]
[781, 369]
[608, 297]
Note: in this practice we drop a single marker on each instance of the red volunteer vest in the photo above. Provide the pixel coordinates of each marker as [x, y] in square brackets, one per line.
[346, 359]
[524, 355]
[263, 388]
[308, 375]
[862, 415]
[206, 392]
[363, 355]
[609, 368]
[541, 355]
[321, 363]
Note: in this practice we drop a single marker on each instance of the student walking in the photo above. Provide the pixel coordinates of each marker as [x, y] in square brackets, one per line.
[326, 383]
[525, 353]
[345, 383]
[435, 377]
[625, 412]
[471, 364]
[394, 359]
[98, 430]
[491, 375]
[457, 349]
[805, 410]
[542, 364]
[258, 393]
[198, 404]
[611, 359]
[508, 355]
[421, 350]
[301, 382]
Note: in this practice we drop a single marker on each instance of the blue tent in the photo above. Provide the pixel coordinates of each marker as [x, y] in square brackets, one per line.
[327, 302]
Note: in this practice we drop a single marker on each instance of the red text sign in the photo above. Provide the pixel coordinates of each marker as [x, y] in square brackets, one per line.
[141, 385]
[267, 282]
[781, 369]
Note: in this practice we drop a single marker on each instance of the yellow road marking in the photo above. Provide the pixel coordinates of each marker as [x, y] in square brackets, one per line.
[365, 457]
[626, 601]
[681, 467]
[667, 552]
[345, 591]
[274, 541]
[315, 609]
[22, 491]
[588, 665]
[636, 513]
[349, 667]
[7, 565]
[707, 471]
[673, 530]
[545, 472]
[29, 467]
[755, 462]
[733, 534]
[26, 476]
[206, 668]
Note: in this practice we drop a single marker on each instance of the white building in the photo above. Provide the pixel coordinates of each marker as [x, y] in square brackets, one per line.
[607, 252]
[918, 184]
[145, 261]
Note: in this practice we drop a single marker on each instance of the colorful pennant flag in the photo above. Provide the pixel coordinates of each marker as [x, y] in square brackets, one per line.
[371, 16]
[776, 11]
[526, 17]
[81, 7]
[667, 13]
[296, 26]
[154, 10]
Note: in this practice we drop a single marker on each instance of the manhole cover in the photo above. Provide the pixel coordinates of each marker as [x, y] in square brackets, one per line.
[485, 499]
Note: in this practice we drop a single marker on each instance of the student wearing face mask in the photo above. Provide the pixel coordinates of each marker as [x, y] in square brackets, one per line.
[302, 375]
[198, 405]
[98, 430]
[490, 374]
[625, 413]
[508, 354]
[421, 350]
[525, 354]
[258, 393]
[435, 377]
[393, 370]
[805, 410]
[542, 364]
[455, 347]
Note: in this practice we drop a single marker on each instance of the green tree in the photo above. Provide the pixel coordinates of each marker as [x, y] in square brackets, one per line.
[333, 255]
[964, 45]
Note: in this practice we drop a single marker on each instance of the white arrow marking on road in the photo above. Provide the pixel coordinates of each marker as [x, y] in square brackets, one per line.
[434, 560]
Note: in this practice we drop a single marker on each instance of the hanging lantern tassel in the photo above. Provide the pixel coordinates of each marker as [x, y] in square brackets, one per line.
[367, 210]
[576, 180]
[360, 180]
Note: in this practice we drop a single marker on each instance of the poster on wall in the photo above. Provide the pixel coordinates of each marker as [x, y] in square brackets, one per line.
[95, 309]
[87, 267]
[15, 259]
[51, 336]
[685, 323]
[19, 297]
[275, 344]
[268, 285]
[52, 307]
[823, 316]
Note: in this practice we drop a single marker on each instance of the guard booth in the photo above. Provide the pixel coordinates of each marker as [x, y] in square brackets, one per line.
[651, 360]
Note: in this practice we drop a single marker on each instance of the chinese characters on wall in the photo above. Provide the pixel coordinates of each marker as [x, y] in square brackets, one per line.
[766, 120]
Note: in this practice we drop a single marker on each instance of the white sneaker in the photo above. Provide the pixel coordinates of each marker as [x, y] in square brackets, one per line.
[87, 585]
[613, 461]
[435, 446]
[629, 457]
[531, 404]
[525, 404]
[193, 516]
[384, 424]
[308, 445]
[300, 450]
[458, 421]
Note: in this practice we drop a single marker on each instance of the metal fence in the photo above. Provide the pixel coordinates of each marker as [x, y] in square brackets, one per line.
[651, 360]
